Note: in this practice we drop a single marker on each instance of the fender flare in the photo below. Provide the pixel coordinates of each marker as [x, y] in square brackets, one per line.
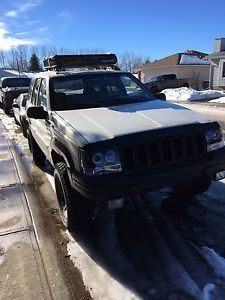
[61, 150]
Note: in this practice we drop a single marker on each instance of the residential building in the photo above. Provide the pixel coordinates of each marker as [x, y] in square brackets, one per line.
[217, 68]
[190, 64]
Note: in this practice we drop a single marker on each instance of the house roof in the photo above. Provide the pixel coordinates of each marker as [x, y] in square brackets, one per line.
[171, 60]
[174, 60]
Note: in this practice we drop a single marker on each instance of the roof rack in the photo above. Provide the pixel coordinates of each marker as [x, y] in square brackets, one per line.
[62, 62]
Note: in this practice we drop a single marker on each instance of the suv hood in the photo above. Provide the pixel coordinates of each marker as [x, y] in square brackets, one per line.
[99, 124]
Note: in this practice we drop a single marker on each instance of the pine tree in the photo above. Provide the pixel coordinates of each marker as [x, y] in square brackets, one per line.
[34, 64]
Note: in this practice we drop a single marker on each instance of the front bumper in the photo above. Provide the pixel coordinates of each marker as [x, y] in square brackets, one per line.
[112, 186]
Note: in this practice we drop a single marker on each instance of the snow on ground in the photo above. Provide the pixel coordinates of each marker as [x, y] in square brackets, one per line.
[98, 282]
[219, 100]
[185, 94]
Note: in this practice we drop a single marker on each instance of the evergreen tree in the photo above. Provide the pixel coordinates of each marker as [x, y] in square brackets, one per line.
[34, 64]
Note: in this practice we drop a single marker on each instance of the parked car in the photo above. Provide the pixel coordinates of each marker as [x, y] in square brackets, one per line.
[19, 111]
[158, 83]
[10, 88]
[108, 137]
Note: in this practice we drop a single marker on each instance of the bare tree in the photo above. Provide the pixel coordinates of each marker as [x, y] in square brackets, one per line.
[22, 57]
[2, 59]
[18, 58]
[130, 62]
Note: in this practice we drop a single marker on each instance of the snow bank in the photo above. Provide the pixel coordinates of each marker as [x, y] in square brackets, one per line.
[187, 94]
[220, 100]
[193, 60]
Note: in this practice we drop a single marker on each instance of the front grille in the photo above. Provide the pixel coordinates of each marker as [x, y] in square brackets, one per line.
[163, 152]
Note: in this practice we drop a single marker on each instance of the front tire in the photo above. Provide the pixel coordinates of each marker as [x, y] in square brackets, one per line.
[75, 210]
[192, 188]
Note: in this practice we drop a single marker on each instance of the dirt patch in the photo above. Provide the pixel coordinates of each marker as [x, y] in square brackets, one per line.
[11, 222]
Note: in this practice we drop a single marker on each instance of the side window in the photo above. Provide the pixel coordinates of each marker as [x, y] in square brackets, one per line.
[130, 86]
[31, 88]
[42, 98]
[35, 91]
[170, 77]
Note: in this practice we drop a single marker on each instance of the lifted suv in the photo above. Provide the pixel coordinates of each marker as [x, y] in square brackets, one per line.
[108, 137]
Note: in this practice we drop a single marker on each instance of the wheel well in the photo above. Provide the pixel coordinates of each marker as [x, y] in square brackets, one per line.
[57, 158]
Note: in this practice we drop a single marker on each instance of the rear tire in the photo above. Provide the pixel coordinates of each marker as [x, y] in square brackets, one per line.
[38, 157]
[16, 122]
[186, 85]
[192, 188]
[24, 128]
[6, 109]
[75, 210]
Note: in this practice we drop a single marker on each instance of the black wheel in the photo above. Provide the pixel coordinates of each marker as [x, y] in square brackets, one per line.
[154, 90]
[16, 122]
[38, 157]
[24, 128]
[75, 210]
[6, 109]
[191, 189]
[186, 85]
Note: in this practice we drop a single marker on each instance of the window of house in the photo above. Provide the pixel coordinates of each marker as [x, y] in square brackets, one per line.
[223, 71]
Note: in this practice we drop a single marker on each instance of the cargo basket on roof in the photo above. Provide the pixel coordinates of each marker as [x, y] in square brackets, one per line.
[61, 62]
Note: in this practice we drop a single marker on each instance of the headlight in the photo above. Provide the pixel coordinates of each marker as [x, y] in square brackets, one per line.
[101, 162]
[214, 139]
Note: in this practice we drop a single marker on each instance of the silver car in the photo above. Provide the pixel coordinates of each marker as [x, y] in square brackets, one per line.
[19, 110]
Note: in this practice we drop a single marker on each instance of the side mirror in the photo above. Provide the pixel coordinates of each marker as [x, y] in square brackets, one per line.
[37, 112]
[160, 96]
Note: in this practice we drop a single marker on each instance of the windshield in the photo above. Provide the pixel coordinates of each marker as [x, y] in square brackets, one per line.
[96, 90]
[16, 82]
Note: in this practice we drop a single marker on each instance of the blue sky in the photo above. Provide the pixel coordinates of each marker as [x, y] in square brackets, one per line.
[152, 29]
